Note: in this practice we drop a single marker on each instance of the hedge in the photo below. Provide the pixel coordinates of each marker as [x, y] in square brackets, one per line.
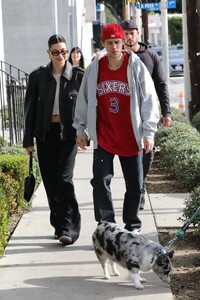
[180, 155]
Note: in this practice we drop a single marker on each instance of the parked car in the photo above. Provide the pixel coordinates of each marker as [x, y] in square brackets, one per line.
[176, 62]
[176, 59]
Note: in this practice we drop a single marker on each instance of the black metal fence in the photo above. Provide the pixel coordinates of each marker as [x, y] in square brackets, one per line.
[13, 82]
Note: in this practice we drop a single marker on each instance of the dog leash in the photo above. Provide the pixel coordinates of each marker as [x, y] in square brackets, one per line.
[183, 229]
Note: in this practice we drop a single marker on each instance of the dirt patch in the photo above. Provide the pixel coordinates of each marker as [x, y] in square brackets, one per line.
[185, 277]
[160, 182]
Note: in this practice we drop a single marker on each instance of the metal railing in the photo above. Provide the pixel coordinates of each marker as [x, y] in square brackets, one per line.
[13, 82]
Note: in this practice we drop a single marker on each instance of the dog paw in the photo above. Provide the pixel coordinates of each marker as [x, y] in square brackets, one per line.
[139, 287]
[116, 273]
[143, 279]
[106, 277]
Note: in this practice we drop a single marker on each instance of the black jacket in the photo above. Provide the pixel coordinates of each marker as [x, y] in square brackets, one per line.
[152, 61]
[39, 102]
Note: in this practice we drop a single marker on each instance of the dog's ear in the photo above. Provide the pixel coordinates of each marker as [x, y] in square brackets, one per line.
[162, 258]
[170, 253]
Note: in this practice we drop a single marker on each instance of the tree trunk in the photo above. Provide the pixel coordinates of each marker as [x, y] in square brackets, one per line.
[125, 10]
[193, 27]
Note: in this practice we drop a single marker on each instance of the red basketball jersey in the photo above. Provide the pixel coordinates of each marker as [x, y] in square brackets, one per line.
[114, 127]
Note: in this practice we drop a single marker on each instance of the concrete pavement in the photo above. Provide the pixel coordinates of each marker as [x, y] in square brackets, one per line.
[35, 266]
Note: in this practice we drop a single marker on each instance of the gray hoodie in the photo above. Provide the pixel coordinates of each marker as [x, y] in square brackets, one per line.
[143, 108]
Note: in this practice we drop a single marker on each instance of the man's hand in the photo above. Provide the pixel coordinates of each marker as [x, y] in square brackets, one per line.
[81, 142]
[148, 144]
[167, 121]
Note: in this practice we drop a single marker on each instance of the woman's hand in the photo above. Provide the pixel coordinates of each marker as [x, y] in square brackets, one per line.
[30, 149]
[81, 142]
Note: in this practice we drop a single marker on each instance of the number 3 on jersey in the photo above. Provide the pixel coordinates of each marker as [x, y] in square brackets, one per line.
[114, 105]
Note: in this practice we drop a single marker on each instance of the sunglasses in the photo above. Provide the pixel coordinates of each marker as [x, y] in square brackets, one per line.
[56, 52]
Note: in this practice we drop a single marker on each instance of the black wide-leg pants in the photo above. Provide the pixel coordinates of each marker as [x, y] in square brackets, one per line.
[57, 160]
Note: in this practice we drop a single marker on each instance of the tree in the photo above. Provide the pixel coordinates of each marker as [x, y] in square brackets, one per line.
[193, 27]
[175, 30]
[115, 7]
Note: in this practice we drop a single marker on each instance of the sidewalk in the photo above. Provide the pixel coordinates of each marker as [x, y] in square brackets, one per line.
[35, 266]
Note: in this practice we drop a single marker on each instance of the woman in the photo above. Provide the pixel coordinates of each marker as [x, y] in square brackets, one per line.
[76, 57]
[49, 107]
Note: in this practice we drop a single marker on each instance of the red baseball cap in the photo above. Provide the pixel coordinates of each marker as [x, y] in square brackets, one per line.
[112, 31]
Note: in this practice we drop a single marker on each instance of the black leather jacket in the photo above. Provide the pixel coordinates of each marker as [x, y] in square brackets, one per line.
[39, 102]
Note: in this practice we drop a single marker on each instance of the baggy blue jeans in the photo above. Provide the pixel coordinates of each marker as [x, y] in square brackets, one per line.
[103, 172]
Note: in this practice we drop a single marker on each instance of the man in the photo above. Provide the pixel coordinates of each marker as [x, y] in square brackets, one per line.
[117, 104]
[151, 60]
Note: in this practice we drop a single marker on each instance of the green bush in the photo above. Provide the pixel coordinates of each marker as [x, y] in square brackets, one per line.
[176, 116]
[175, 30]
[17, 167]
[177, 132]
[13, 170]
[180, 156]
[11, 189]
[18, 149]
[196, 121]
[188, 165]
[3, 220]
[3, 142]
[15, 149]
[180, 153]
[191, 205]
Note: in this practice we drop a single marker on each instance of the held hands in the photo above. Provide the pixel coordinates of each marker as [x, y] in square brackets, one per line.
[30, 149]
[82, 142]
[148, 144]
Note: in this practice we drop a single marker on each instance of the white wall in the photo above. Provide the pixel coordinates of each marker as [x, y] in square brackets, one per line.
[154, 25]
[85, 13]
[1, 35]
[28, 24]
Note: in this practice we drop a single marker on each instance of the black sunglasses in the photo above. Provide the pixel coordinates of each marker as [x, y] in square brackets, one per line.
[56, 52]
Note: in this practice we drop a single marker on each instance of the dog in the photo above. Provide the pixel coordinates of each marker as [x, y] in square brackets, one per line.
[132, 251]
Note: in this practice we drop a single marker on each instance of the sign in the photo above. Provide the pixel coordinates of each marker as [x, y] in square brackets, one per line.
[171, 4]
[100, 7]
[149, 6]
[155, 6]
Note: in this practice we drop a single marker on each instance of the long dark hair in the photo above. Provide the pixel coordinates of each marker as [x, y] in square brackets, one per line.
[56, 39]
[81, 64]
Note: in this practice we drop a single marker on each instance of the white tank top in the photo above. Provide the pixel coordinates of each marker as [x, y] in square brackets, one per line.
[56, 100]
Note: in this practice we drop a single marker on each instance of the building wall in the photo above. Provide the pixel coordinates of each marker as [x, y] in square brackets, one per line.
[28, 24]
[154, 25]
[1, 35]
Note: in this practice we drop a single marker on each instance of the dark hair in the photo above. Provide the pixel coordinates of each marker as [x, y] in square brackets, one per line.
[56, 39]
[81, 64]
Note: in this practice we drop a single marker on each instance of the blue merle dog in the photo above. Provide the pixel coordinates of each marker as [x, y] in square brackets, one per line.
[132, 251]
